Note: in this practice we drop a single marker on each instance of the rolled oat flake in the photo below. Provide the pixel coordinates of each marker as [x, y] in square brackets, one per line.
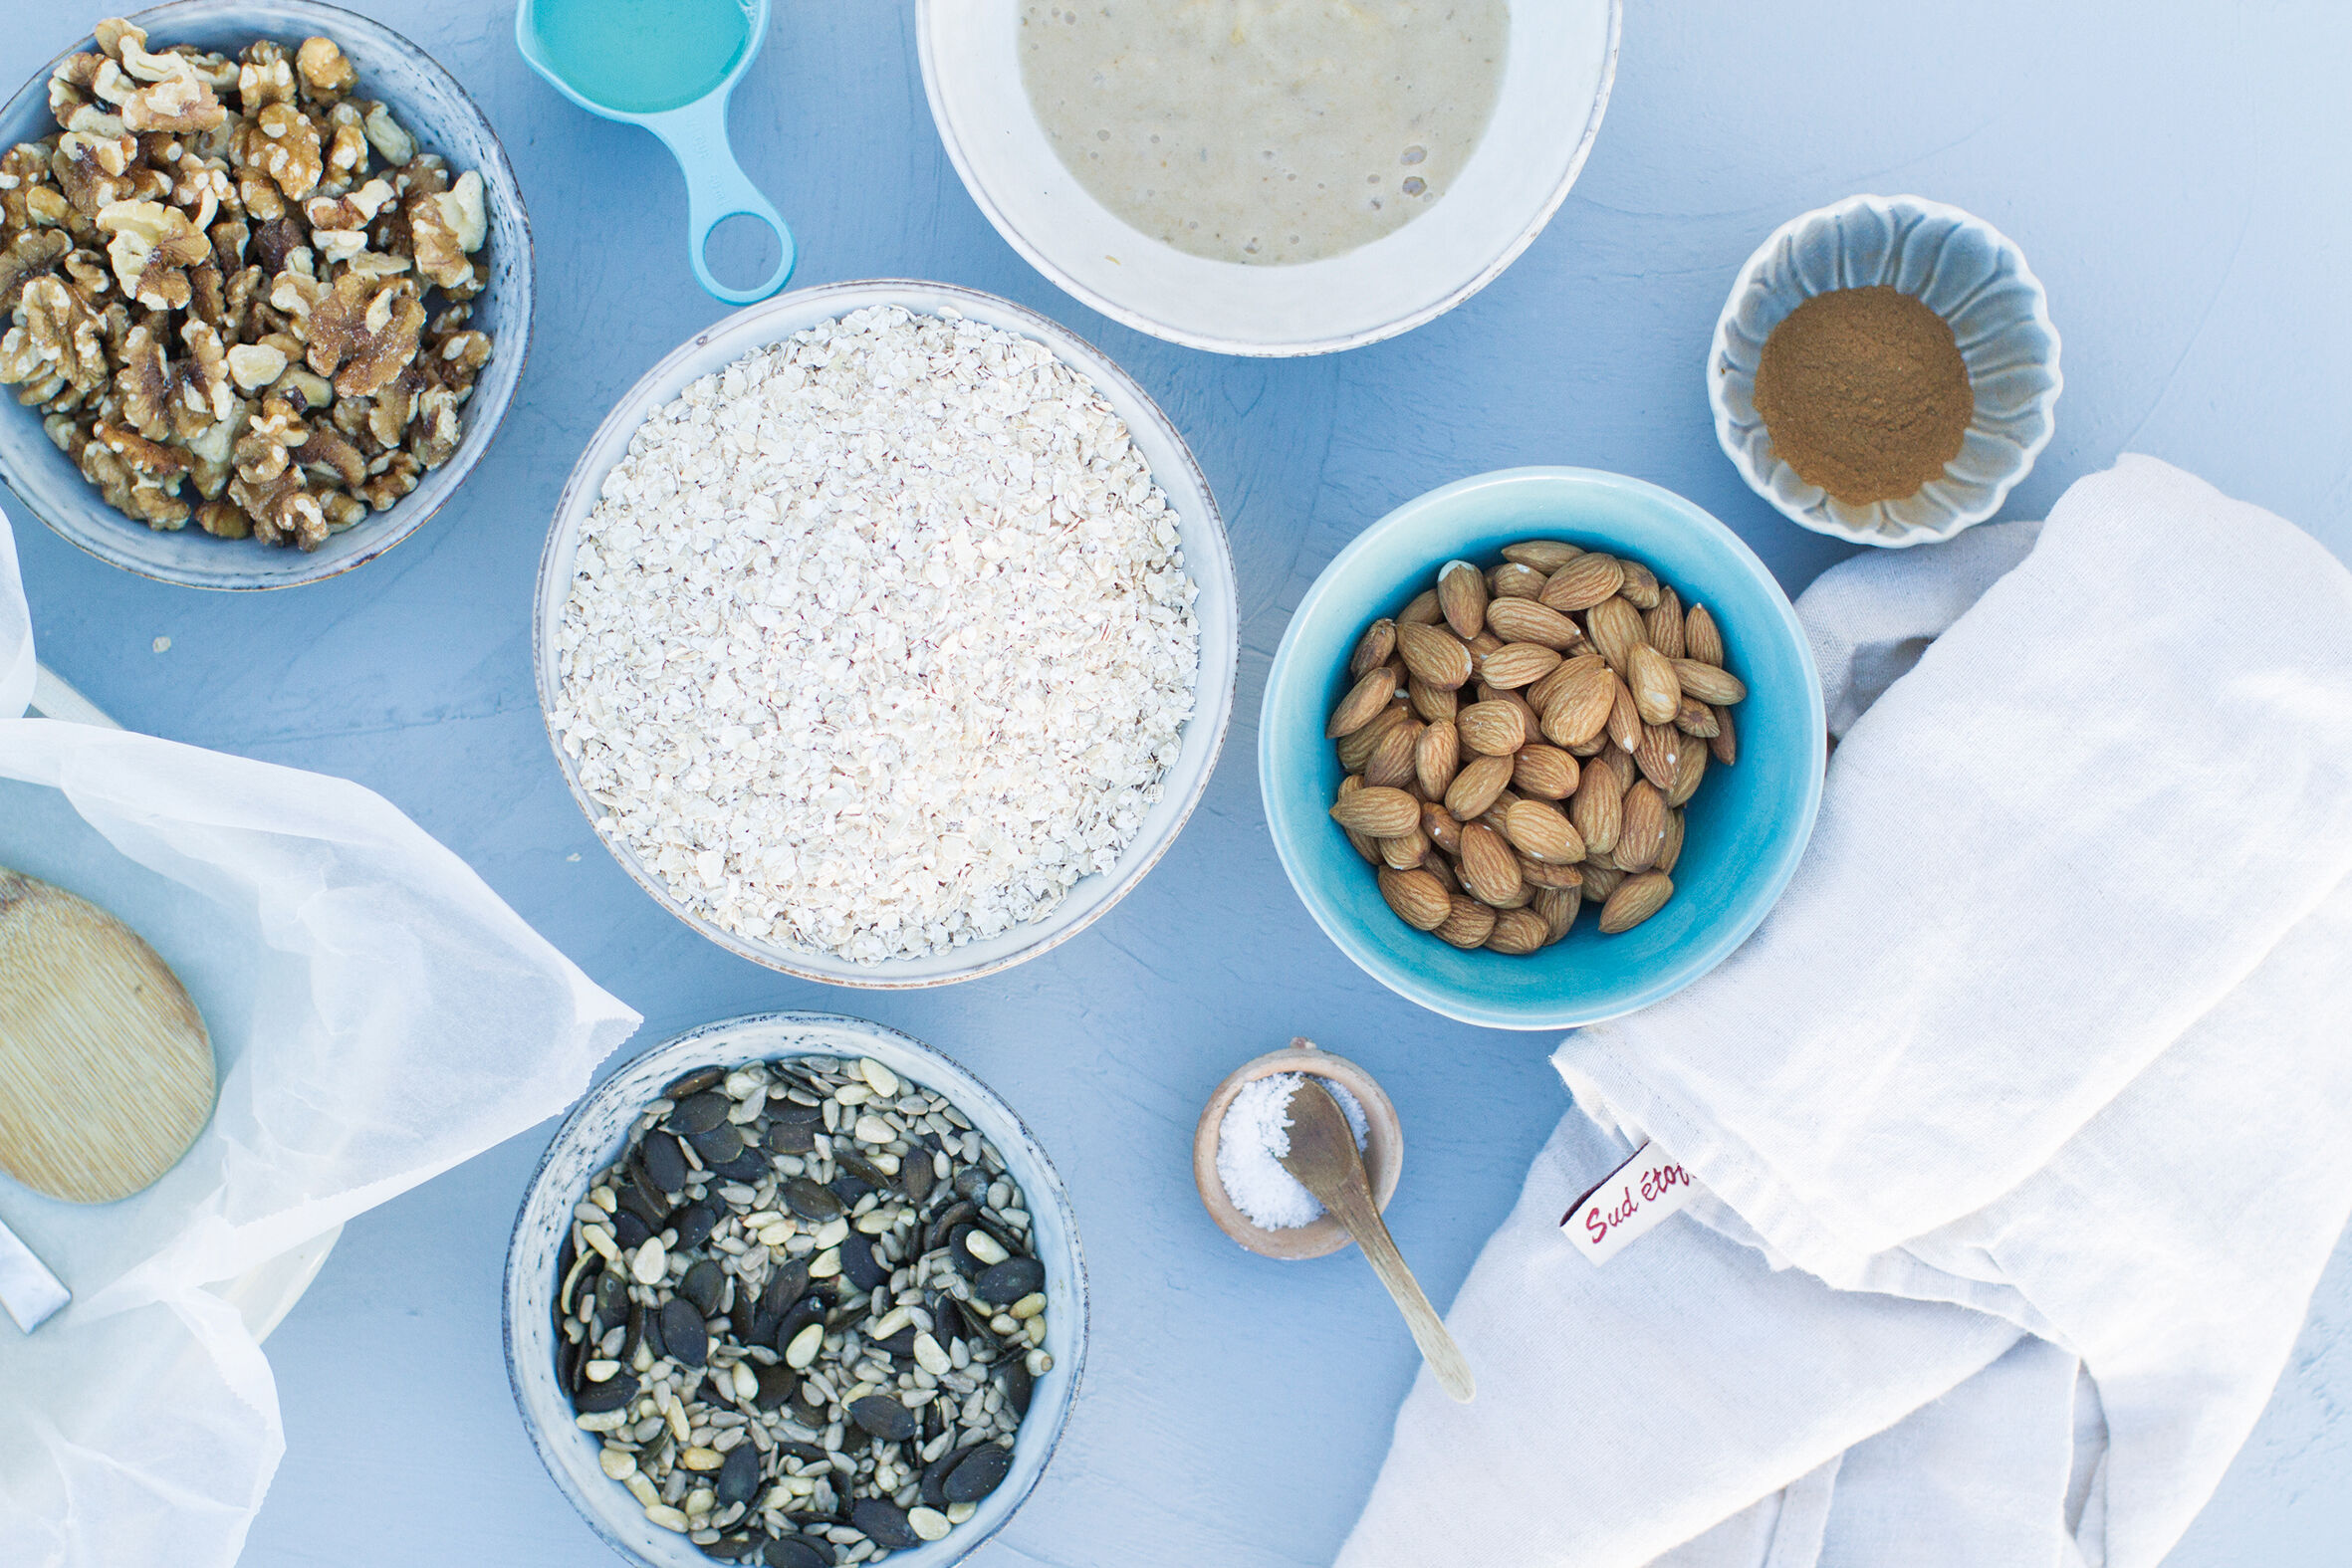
[878, 640]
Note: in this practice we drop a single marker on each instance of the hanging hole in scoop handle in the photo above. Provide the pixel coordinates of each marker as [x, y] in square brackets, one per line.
[717, 189]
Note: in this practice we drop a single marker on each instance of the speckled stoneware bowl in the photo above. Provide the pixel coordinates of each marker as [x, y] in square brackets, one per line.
[1207, 557]
[429, 102]
[1746, 826]
[1962, 268]
[1384, 1151]
[595, 1134]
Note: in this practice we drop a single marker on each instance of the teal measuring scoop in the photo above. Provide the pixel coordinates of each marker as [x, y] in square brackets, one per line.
[668, 66]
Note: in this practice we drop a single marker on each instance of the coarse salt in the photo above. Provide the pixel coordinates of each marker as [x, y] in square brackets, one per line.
[878, 640]
[1253, 1137]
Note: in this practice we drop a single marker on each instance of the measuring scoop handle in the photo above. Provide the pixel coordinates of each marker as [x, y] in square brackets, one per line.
[717, 189]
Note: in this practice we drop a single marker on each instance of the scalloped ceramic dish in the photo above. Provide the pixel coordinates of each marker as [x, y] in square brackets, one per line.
[429, 102]
[1747, 825]
[1962, 268]
[1562, 61]
[596, 1132]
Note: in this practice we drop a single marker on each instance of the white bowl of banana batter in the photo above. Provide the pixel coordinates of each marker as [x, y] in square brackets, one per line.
[1269, 176]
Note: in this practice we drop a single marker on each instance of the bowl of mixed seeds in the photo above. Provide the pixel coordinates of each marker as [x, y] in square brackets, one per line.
[264, 291]
[797, 1290]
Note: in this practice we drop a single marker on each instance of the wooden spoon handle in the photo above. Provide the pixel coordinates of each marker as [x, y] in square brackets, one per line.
[1359, 1213]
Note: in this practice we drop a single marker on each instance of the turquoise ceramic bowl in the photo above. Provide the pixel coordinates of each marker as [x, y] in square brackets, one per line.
[1746, 827]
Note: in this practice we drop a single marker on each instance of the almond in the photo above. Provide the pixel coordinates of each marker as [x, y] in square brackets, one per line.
[1378, 813]
[1467, 924]
[1489, 869]
[1583, 582]
[1601, 881]
[1620, 761]
[1694, 718]
[1419, 899]
[1435, 704]
[1595, 809]
[1531, 723]
[1407, 852]
[1545, 555]
[1670, 847]
[1614, 627]
[1700, 638]
[1542, 874]
[1443, 869]
[1525, 621]
[1373, 648]
[1441, 827]
[1495, 815]
[1538, 830]
[1433, 654]
[1660, 753]
[1637, 898]
[1583, 751]
[1513, 581]
[1517, 664]
[1663, 626]
[1641, 585]
[1557, 905]
[1358, 749]
[1580, 706]
[1519, 931]
[1642, 828]
[1707, 683]
[1545, 771]
[1361, 705]
[1437, 756]
[1624, 719]
[1478, 783]
[1568, 671]
[1390, 765]
[1423, 611]
[1491, 729]
[1461, 597]
[1689, 767]
[1725, 744]
[1657, 694]
[1362, 845]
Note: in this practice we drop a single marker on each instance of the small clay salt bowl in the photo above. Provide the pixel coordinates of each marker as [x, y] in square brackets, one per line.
[1384, 1151]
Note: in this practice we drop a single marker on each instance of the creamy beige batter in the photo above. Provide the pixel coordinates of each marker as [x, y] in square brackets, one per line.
[1264, 131]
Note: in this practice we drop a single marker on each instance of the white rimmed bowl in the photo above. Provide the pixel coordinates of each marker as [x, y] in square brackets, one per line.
[1967, 272]
[1207, 558]
[1562, 59]
[431, 104]
[593, 1135]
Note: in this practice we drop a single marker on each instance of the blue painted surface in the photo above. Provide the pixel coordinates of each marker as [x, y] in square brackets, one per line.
[2173, 171]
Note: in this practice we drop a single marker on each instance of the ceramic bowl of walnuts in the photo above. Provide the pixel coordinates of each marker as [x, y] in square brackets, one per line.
[1541, 747]
[264, 291]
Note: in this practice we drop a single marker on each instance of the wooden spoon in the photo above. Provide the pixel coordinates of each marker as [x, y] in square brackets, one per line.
[106, 1071]
[1323, 1158]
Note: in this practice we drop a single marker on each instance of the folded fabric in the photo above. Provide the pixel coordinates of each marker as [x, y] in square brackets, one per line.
[378, 1014]
[2017, 1126]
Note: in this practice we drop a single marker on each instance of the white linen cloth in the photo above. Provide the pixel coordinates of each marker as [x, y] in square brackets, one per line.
[378, 1014]
[2019, 1124]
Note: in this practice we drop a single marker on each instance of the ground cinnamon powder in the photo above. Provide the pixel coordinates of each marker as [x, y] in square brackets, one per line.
[1864, 393]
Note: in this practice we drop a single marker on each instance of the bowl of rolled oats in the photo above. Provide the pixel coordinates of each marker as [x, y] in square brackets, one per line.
[887, 633]
[265, 276]
[795, 1290]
